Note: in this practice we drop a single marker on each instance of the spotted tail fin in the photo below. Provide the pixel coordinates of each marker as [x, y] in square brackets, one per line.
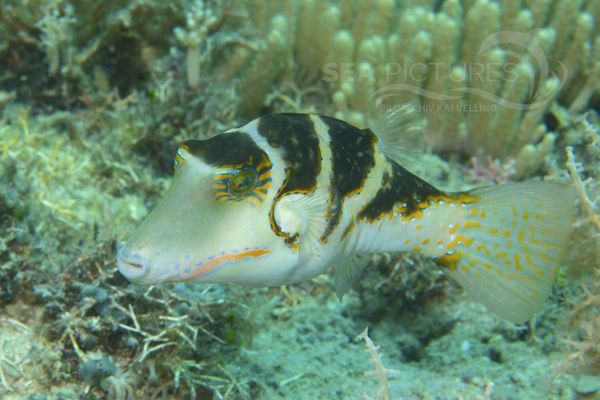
[510, 244]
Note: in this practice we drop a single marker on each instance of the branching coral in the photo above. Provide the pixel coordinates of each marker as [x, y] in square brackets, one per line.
[582, 345]
[201, 21]
[588, 204]
[583, 348]
[582, 161]
[486, 72]
[381, 372]
[65, 53]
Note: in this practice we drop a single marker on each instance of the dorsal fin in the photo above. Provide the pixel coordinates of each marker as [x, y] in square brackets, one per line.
[400, 133]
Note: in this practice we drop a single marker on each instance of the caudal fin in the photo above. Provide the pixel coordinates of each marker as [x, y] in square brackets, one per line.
[509, 245]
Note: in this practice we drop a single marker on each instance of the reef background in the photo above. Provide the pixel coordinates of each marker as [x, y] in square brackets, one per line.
[95, 97]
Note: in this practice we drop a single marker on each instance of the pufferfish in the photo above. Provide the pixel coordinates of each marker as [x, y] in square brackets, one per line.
[288, 196]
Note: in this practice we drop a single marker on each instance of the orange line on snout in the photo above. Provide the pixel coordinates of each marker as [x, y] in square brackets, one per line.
[218, 261]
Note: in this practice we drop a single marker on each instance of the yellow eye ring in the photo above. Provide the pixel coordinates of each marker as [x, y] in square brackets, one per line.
[243, 182]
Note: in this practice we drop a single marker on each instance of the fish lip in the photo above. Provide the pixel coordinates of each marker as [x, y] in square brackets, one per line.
[125, 265]
[132, 266]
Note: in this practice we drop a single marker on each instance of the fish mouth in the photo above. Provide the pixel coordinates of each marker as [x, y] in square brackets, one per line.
[213, 264]
[132, 266]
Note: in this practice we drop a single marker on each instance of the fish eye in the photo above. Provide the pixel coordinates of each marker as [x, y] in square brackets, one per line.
[243, 182]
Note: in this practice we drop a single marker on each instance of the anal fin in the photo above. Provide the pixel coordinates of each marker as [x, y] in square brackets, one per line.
[347, 271]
